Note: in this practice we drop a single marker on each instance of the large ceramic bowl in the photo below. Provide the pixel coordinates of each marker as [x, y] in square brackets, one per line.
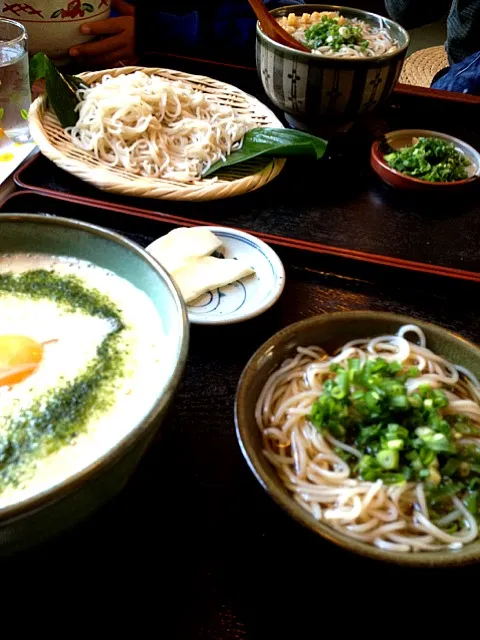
[330, 331]
[38, 518]
[313, 89]
[53, 26]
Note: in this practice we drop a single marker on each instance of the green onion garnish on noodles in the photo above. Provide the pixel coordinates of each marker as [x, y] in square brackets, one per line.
[334, 32]
[401, 436]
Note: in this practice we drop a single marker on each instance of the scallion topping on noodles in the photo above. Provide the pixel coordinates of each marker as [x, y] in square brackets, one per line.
[156, 127]
[382, 441]
[328, 33]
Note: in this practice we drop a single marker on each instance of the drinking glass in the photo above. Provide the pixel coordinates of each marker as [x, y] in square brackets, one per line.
[15, 96]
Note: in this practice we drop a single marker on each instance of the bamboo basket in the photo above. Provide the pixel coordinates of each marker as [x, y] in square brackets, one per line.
[55, 143]
[420, 68]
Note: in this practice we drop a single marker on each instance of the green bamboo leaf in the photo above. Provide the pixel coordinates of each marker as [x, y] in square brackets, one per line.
[61, 89]
[75, 82]
[56, 13]
[278, 143]
[38, 67]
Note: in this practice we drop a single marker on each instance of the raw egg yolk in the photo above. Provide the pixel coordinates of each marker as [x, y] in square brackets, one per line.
[19, 358]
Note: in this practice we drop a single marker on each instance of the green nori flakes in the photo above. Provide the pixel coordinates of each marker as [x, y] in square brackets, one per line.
[55, 418]
[67, 291]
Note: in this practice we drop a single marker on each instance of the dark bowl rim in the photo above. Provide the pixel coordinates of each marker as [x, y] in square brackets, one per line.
[377, 156]
[257, 464]
[332, 7]
[109, 458]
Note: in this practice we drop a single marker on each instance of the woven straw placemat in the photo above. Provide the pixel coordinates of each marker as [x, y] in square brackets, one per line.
[56, 144]
[420, 68]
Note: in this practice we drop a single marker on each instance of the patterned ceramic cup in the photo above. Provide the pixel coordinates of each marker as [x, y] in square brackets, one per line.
[53, 26]
[313, 90]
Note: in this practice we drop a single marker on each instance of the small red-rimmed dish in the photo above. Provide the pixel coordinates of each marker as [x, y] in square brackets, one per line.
[407, 137]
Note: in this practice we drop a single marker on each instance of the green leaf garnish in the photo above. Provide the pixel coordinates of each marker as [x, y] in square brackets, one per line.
[38, 67]
[280, 143]
[61, 88]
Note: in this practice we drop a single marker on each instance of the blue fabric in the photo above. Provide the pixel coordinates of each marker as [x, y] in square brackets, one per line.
[462, 77]
[216, 29]
[114, 13]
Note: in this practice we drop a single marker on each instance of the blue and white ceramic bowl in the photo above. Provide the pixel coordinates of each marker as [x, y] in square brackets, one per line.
[313, 89]
[248, 297]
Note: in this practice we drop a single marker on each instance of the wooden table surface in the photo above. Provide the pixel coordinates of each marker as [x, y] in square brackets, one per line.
[337, 202]
[193, 547]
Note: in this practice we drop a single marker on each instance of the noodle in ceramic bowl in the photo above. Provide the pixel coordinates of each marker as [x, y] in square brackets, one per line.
[329, 33]
[365, 427]
[354, 61]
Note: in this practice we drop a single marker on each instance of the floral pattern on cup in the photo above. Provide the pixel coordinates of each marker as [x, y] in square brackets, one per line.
[75, 9]
[53, 26]
[20, 9]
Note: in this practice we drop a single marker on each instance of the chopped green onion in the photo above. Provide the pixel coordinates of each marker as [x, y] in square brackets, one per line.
[430, 159]
[450, 467]
[434, 477]
[413, 372]
[402, 436]
[415, 400]
[440, 493]
[464, 469]
[439, 442]
[395, 444]
[388, 459]
[423, 432]
[427, 456]
[399, 402]
[471, 502]
[393, 478]
[330, 32]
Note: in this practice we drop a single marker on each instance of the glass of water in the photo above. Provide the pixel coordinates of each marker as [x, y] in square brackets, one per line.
[15, 96]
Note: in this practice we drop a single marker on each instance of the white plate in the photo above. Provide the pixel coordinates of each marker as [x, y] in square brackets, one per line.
[250, 296]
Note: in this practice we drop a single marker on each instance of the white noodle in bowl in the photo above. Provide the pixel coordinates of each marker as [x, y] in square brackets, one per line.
[321, 470]
[373, 41]
[156, 128]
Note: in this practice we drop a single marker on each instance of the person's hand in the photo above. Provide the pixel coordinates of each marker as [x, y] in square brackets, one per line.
[117, 46]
